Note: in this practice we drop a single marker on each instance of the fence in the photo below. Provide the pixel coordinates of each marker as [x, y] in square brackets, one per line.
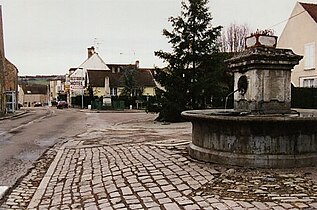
[304, 98]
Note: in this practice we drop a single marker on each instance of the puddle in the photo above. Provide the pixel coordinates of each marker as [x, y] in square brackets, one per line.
[29, 155]
[45, 142]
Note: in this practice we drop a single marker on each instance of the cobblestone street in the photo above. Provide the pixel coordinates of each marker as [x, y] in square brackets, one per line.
[118, 167]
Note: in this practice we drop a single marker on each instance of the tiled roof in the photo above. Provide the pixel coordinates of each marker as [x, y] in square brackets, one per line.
[121, 66]
[34, 89]
[97, 78]
[143, 78]
[311, 9]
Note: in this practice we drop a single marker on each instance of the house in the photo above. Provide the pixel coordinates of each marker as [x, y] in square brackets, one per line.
[31, 95]
[143, 80]
[108, 80]
[299, 35]
[11, 86]
[77, 76]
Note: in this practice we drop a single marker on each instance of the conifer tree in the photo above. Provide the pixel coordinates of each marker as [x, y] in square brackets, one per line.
[192, 73]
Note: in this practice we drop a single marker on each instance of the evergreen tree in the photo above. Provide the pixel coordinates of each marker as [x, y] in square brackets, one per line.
[192, 75]
[131, 87]
[128, 81]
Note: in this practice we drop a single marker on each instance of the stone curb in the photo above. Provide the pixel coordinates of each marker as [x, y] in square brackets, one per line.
[113, 111]
[42, 187]
[13, 115]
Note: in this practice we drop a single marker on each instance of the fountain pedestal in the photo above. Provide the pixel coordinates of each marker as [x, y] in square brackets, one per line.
[261, 130]
[267, 72]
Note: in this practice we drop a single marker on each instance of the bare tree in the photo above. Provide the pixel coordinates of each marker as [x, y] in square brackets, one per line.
[232, 38]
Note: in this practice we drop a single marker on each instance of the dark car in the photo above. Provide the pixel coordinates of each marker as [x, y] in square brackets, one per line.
[38, 104]
[62, 105]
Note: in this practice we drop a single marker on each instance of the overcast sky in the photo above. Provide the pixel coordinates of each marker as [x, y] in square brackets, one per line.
[51, 36]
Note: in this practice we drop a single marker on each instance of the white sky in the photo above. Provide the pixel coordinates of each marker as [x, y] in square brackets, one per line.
[51, 36]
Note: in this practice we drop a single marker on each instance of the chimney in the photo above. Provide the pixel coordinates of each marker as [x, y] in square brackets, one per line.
[91, 51]
[137, 64]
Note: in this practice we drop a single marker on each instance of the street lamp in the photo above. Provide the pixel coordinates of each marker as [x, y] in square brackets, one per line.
[82, 88]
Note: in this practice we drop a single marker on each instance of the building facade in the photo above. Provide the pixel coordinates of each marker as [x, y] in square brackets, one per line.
[31, 95]
[2, 67]
[299, 35]
[57, 89]
[11, 86]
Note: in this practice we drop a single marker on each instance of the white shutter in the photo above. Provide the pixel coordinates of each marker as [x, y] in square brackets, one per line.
[309, 56]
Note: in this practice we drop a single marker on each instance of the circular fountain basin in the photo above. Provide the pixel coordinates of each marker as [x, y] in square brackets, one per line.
[265, 141]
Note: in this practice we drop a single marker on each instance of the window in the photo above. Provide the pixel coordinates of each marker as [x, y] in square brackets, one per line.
[113, 91]
[310, 82]
[10, 101]
[309, 55]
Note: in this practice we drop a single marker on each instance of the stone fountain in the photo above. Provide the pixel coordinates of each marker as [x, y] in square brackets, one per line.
[262, 130]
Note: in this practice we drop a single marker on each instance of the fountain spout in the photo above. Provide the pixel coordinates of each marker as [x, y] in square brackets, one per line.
[230, 95]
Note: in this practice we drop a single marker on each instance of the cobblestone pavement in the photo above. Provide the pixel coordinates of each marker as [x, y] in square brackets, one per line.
[97, 171]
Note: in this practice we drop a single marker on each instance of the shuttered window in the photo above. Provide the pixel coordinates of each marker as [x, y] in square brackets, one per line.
[309, 56]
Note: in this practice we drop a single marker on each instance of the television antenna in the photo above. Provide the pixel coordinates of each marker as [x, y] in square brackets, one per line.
[97, 43]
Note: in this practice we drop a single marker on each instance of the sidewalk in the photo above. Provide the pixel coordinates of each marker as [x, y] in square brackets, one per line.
[17, 113]
[110, 172]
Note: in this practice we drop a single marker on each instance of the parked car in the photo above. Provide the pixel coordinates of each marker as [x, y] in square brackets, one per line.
[54, 103]
[62, 104]
[37, 104]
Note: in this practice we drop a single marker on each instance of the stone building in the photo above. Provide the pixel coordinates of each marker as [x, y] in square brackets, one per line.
[2, 60]
[31, 95]
[11, 86]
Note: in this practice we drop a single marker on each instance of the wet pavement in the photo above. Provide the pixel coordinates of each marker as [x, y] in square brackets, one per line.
[141, 165]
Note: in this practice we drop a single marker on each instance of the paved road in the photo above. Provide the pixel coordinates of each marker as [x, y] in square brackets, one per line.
[127, 161]
[23, 139]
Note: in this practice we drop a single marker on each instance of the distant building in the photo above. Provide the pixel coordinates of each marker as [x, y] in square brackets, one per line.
[31, 95]
[299, 35]
[108, 80]
[57, 89]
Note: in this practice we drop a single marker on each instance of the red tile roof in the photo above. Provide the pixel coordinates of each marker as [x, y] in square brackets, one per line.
[311, 9]
[143, 78]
